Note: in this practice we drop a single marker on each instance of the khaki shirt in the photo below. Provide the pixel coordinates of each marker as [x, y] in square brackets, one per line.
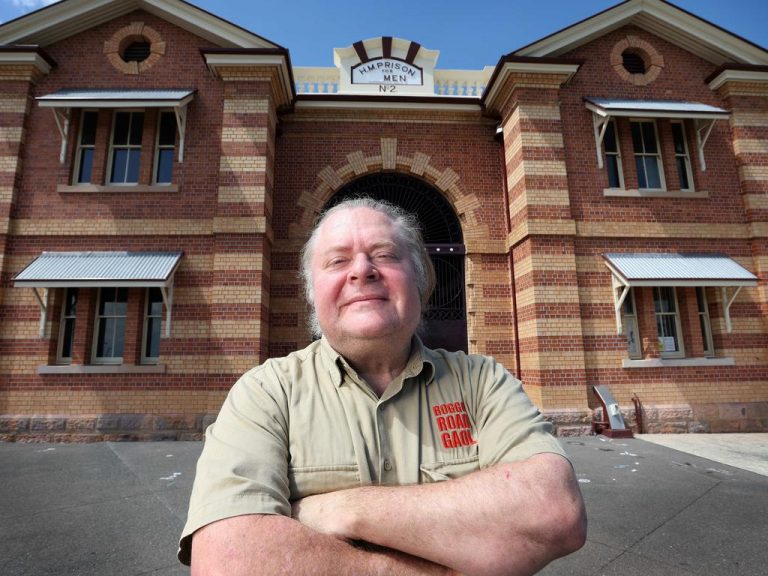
[307, 424]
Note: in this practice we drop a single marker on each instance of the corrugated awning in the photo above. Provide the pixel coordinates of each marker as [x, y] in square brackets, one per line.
[99, 269]
[654, 108]
[643, 269]
[640, 269]
[116, 98]
[62, 102]
[703, 115]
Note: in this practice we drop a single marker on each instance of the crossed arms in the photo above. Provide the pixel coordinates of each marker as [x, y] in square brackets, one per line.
[512, 518]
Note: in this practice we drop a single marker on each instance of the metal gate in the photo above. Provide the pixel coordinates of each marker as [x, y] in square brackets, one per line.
[445, 320]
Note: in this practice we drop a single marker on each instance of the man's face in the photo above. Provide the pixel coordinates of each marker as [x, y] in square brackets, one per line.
[363, 279]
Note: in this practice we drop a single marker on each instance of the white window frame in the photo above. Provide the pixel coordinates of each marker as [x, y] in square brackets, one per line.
[159, 147]
[81, 147]
[617, 154]
[96, 325]
[705, 322]
[60, 358]
[630, 325]
[678, 326]
[128, 146]
[686, 155]
[643, 154]
[145, 328]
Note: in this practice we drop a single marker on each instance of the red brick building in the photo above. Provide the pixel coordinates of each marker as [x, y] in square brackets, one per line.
[596, 205]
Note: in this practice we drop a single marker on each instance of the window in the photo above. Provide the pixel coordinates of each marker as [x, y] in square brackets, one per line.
[682, 158]
[67, 326]
[110, 326]
[153, 319]
[165, 148]
[85, 147]
[125, 151]
[650, 174]
[630, 326]
[613, 157]
[704, 323]
[668, 322]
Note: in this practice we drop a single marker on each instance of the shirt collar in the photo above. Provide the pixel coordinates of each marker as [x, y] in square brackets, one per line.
[418, 362]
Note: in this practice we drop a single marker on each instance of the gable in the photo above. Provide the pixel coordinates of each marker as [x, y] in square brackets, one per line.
[71, 17]
[660, 18]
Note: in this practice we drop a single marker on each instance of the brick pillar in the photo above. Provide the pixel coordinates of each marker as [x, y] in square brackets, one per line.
[747, 100]
[243, 226]
[646, 322]
[17, 80]
[689, 320]
[552, 354]
[134, 326]
[82, 344]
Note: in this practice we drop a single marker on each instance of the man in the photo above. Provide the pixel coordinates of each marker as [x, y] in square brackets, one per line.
[366, 453]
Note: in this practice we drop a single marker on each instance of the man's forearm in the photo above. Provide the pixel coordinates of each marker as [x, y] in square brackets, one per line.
[509, 519]
[260, 544]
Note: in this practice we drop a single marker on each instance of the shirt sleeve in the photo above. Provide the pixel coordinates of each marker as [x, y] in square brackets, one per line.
[243, 468]
[509, 427]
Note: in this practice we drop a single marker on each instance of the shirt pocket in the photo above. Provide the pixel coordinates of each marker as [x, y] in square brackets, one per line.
[305, 481]
[449, 469]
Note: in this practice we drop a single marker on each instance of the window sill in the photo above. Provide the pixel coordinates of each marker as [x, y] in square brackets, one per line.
[102, 369]
[655, 193]
[677, 362]
[91, 188]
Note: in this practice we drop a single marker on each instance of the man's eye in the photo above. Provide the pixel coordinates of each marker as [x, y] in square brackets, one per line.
[338, 261]
[385, 256]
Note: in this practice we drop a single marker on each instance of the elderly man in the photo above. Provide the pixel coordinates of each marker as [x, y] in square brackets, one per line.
[367, 453]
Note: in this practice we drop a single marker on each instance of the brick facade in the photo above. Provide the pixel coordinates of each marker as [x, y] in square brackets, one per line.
[535, 210]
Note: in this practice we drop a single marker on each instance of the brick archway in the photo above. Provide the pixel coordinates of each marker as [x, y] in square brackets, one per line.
[446, 181]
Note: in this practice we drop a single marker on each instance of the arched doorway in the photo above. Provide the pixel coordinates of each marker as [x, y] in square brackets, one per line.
[445, 321]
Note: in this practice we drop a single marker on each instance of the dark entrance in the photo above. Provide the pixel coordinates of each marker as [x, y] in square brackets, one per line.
[445, 321]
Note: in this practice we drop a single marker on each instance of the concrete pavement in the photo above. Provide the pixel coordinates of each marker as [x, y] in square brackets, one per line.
[118, 508]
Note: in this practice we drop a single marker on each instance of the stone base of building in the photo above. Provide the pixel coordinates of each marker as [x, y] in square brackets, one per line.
[103, 427]
[696, 418]
[654, 419]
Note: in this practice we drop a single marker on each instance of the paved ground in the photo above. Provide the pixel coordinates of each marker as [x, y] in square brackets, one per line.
[117, 508]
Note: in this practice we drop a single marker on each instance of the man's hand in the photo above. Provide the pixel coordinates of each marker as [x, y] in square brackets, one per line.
[325, 513]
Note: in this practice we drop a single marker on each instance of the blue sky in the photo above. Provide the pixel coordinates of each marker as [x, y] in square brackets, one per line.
[469, 35]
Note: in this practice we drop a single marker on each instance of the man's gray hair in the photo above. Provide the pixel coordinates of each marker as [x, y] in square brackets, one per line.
[409, 231]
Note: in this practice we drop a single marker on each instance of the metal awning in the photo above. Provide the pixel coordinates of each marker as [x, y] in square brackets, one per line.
[63, 101]
[652, 269]
[100, 270]
[703, 115]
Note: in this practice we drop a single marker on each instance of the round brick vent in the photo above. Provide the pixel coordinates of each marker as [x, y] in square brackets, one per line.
[636, 61]
[134, 48]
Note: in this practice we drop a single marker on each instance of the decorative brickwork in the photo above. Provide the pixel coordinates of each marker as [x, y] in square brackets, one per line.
[535, 209]
[134, 32]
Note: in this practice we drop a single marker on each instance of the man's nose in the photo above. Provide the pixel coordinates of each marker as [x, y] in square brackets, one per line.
[363, 268]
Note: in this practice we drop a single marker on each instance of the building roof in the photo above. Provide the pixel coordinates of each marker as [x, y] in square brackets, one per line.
[116, 98]
[654, 108]
[99, 269]
[644, 269]
[70, 17]
[663, 19]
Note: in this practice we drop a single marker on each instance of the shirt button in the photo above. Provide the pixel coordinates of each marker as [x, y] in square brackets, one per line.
[387, 465]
